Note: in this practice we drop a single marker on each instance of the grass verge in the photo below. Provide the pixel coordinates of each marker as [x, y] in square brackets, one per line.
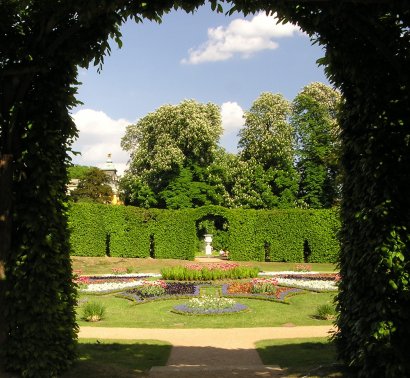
[307, 357]
[121, 312]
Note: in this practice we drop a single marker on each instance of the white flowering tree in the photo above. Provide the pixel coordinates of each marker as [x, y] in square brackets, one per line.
[266, 150]
[171, 149]
[267, 135]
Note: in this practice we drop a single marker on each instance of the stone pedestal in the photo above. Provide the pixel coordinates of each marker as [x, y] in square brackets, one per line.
[208, 246]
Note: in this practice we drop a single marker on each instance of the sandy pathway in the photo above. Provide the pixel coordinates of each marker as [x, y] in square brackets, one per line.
[210, 352]
[231, 338]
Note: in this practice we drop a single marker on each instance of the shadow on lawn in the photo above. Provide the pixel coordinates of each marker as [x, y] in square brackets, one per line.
[303, 359]
[117, 359]
[108, 359]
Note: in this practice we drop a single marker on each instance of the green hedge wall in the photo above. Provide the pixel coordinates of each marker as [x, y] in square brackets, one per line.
[259, 235]
[87, 226]
[174, 235]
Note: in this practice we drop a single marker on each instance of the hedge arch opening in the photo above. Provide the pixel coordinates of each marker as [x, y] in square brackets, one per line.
[367, 57]
[216, 225]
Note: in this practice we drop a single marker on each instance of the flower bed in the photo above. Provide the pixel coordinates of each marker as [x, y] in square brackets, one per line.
[108, 287]
[209, 306]
[212, 271]
[261, 289]
[309, 280]
[107, 283]
[268, 284]
[304, 276]
[171, 290]
[212, 266]
[312, 285]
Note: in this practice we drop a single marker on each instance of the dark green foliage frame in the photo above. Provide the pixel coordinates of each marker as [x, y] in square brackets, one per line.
[367, 57]
[119, 231]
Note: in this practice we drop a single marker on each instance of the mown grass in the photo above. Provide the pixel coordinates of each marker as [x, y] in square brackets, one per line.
[307, 357]
[105, 265]
[121, 312]
[118, 358]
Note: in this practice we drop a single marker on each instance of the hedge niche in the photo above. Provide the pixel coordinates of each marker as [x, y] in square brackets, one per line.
[258, 235]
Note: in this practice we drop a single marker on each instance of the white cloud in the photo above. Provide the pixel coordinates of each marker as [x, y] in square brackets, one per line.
[232, 117]
[99, 135]
[243, 37]
[232, 122]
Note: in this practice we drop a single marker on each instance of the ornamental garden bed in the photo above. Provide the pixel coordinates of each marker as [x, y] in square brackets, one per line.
[140, 285]
[213, 297]
[165, 301]
[260, 288]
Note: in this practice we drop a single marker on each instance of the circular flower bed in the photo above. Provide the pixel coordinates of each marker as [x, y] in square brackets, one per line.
[208, 305]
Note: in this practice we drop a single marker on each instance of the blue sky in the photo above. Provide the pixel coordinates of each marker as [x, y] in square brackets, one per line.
[206, 56]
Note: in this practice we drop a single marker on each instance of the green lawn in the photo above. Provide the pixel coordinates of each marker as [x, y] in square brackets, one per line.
[313, 357]
[125, 313]
[101, 265]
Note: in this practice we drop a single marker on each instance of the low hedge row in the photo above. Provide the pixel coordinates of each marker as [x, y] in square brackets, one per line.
[260, 235]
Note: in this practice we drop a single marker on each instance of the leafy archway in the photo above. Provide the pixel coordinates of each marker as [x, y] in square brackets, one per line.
[217, 226]
[367, 56]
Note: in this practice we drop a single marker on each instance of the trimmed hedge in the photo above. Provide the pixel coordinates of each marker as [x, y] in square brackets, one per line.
[87, 226]
[258, 235]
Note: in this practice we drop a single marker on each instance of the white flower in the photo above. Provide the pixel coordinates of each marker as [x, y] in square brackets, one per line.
[108, 286]
[308, 284]
[284, 272]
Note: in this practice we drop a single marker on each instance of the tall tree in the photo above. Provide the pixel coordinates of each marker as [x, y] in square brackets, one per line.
[77, 171]
[222, 177]
[267, 135]
[93, 187]
[266, 144]
[170, 148]
[315, 120]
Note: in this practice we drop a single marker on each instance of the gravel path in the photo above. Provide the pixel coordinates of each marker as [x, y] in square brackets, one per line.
[210, 352]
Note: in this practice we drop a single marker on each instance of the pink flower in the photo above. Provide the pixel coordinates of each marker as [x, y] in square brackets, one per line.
[160, 283]
[212, 266]
[303, 267]
[82, 280]
[260, 281]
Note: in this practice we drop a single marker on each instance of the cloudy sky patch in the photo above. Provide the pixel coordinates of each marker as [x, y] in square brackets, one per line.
[241, 37]
[99, 136]
[232, 117]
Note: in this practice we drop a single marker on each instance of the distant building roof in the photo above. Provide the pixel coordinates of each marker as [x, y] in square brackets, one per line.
[109, 165]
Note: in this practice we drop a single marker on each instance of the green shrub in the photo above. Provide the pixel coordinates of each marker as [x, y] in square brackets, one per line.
[93, 312]
[325, 312]
[180, 273]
